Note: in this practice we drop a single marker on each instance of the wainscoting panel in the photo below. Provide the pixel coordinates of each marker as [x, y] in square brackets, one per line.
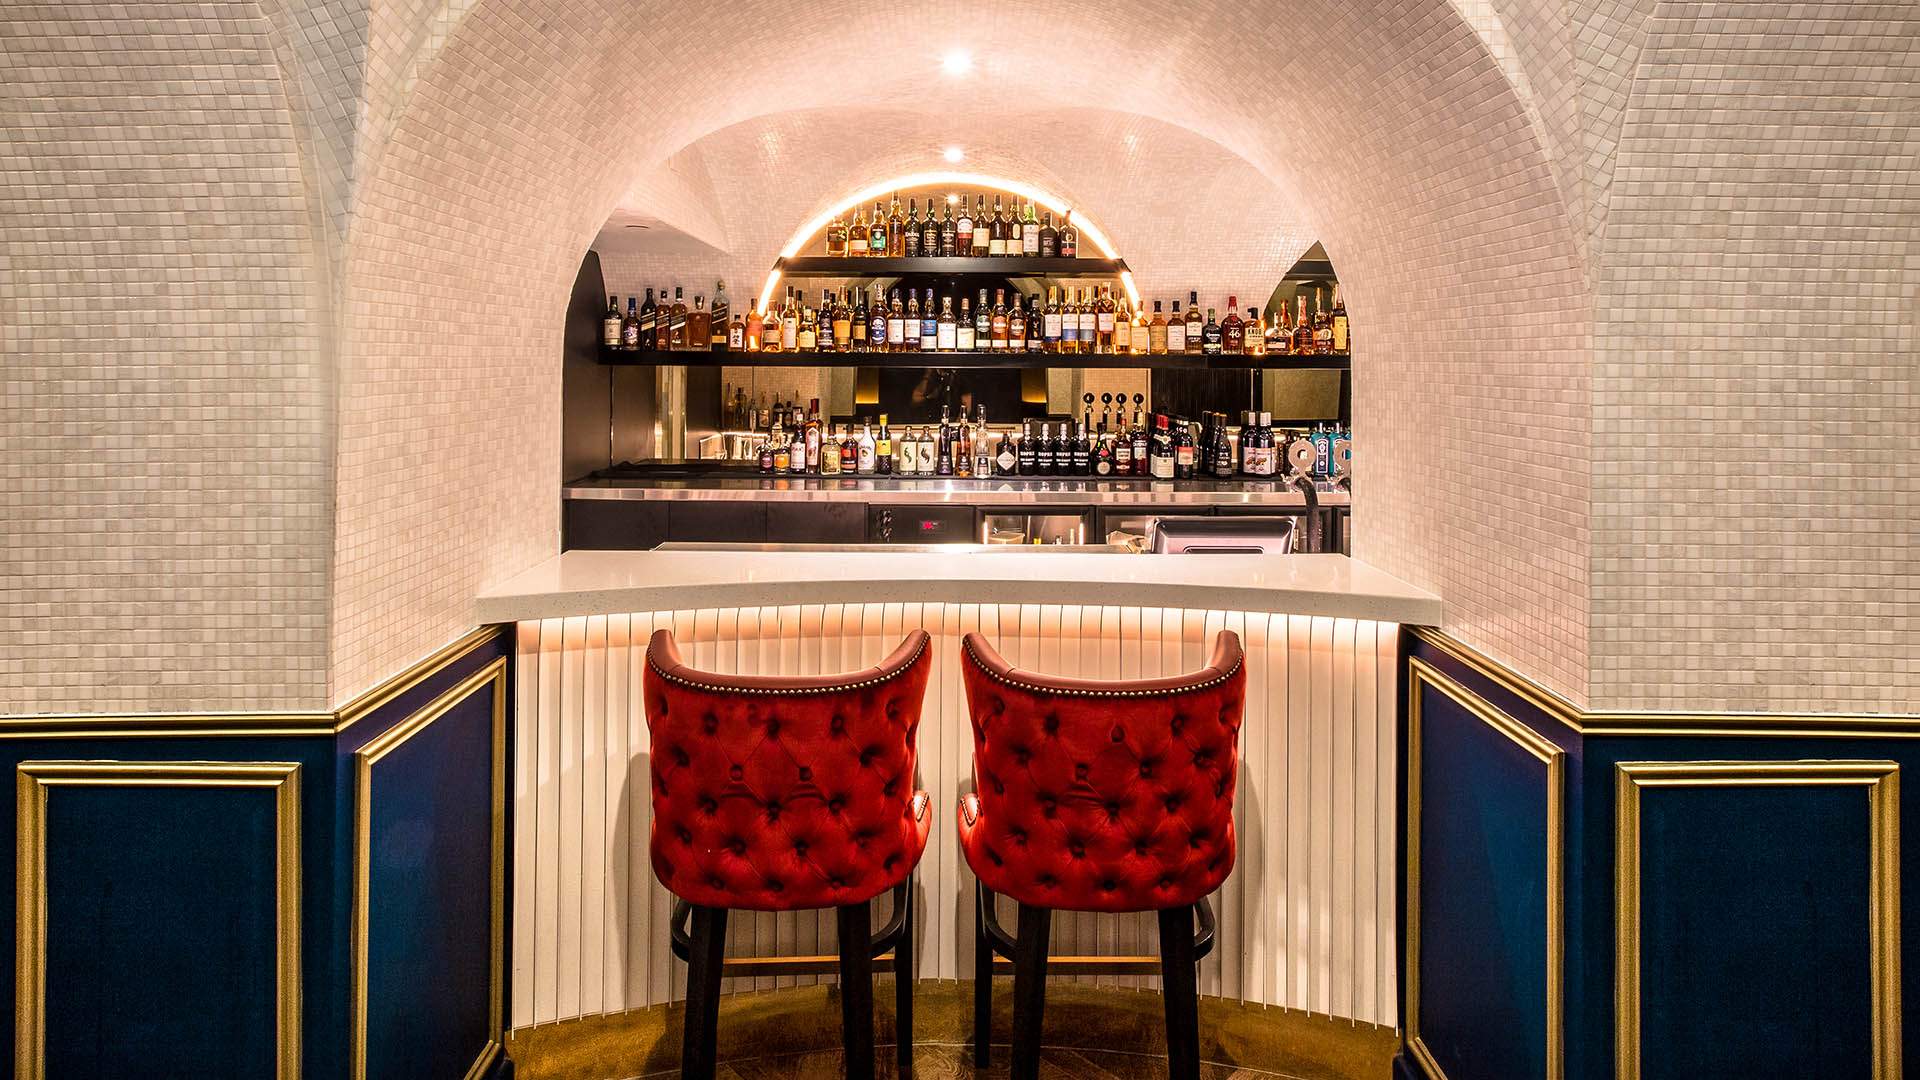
[1307, 921]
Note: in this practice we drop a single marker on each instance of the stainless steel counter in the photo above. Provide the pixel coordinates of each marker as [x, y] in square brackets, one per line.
[996, 492]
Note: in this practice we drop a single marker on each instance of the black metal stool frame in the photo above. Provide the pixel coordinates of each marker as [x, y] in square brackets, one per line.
[1181, 949]
[704, 949]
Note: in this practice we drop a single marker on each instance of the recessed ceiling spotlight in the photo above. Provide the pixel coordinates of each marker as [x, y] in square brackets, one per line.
[639, 226]
[957, 62]
[953, 154]
[952, 198]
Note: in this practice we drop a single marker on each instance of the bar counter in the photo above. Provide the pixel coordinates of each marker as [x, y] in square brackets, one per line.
[1307, 920]
[999, 491]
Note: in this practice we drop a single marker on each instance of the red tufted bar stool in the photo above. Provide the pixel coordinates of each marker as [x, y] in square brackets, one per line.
[783, 794]
[1099, 796]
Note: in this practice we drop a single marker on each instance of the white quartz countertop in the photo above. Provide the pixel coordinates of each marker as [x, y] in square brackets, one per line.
[613, 582]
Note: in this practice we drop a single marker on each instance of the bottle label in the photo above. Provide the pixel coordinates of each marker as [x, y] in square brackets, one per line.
[1089, 323]
[1176, 339]
[1102, 465]
[896, 331]
[944, 337]
[631, 336]
[1106, 322]
[1183, 456]
[1340, 334]
[929, 329]
[736, 338]
[1053, 326]
[1006, 461]
[1162, 467]
[963, 337]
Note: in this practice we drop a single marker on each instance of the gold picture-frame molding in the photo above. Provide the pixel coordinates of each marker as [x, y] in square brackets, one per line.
[36, 779]
[1553, 758]
[493, 677]
[1881, 779]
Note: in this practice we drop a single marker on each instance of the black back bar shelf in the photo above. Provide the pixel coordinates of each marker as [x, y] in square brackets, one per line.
[1005, 360]
[1004, 267]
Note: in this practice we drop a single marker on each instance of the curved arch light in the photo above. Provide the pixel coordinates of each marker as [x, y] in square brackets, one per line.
[1089, 232]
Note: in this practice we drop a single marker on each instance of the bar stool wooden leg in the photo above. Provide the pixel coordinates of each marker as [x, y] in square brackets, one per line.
[903, 975]
[1029, 989]
[982, 984]
[704, 963]
[856, 989]
[1178, 985]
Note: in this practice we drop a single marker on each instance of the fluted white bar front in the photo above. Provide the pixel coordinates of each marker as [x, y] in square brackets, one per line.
[1306, 920]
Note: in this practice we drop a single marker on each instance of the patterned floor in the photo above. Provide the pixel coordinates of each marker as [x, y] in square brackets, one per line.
[956, 1063]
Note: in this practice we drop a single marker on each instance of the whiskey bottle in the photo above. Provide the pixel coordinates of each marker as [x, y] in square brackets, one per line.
[782, 450]
[1000, 311]
[677, 320]
[982, 317]
[910, 236]
[1233, 332]
[1103, 326]
[1017, 326]
[1036, 325]
[837, 238]
[910, 324]
[1122, 326]
[807, 331]
[896, 229]
[737, 334]
[629, 332]
[700, 325]
[722, 313]
[982, 228]
[1176, 330]
[1029, 232]
[1123, 451]
[1088, 337]
[857, 234]
[949, 232]
[1302, 330]
[963, 231]
[857, 324]
[1141, 441]
[878, 243]
[649, 324]
[1322, 326]
[1069, 238]
[1211, 336]
[1049, 237]
[963, 328]
[1069, 324]
[896, 324]
[946, 333]
[1157, 332]
[1050, 320]
[930, 233]
[1256, 333]
[997, 231]
[1342, 343]
[929, 323]
[825, 339]
[611, 323]
[1196, 330]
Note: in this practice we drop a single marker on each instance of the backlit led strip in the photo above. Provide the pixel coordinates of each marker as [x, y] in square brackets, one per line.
[1088, 230]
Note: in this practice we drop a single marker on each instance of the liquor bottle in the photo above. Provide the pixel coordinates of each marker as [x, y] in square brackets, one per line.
[1049, 237]
[1322, 326]
[1196, 330]
[910, 324]
[878, 242]
[982, 228]
[807, 332]
[1045, 451]
[1157, 331]
[943, 449]
[1142, 444]
[949, 233]
[1083, 446]
[649, 324]
[849, 452]
[813, 436]
[737, 334]
[843, 326]
[910, 232]
[699, 325]
[629, 333]
[722, 315]
[1089, 323]
[1303, 330]
[963, 448]
[1028, 453]
[946, 334]
[830, 451]
[1016, 326]
[1069, 238]
[1069, 324]
[611, 323]
[1183, 451]
[999, 310]
[837, 238]
[1222, 456]
[1233, 332]
[896, 324]
[677, 320]
[1122, 326]
[877, 326]
[930, 232]
[1212, 337]
[1342, 343]
[1176, 330]
[857, 234]
[963, 230]
[1256, 333]
[1036, 325]
[1123, 451]
[1006, 460]
[997, 231]
[865, 452]
[929, 323]
[982, 443]
[1103, 326]
[1030, 232]
[1160, 449]
[790, 324]
[929, 452]
[883, 450]
[1103, 455]
[963, 327]
[896, 229]
[782, 450]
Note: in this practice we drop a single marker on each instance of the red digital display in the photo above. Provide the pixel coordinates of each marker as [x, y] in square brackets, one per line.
[928, 526]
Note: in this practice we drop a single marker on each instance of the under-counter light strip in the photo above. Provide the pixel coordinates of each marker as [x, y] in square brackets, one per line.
[1088, 230]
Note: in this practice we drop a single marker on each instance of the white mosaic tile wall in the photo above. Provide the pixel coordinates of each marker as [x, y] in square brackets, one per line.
[164, 442]
[1755, 490]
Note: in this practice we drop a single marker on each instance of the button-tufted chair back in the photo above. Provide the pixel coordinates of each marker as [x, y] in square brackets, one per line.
[1102, 796]
[781, 793]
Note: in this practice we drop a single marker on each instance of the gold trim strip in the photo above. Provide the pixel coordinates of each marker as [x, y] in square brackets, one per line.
[35, 779]
[1421, 673]
[1882, 782]
[494, 675]
[1623, 722]
[413, 676]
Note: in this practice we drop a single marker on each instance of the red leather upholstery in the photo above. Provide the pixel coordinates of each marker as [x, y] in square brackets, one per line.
[1096, 796]
[776, 793]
